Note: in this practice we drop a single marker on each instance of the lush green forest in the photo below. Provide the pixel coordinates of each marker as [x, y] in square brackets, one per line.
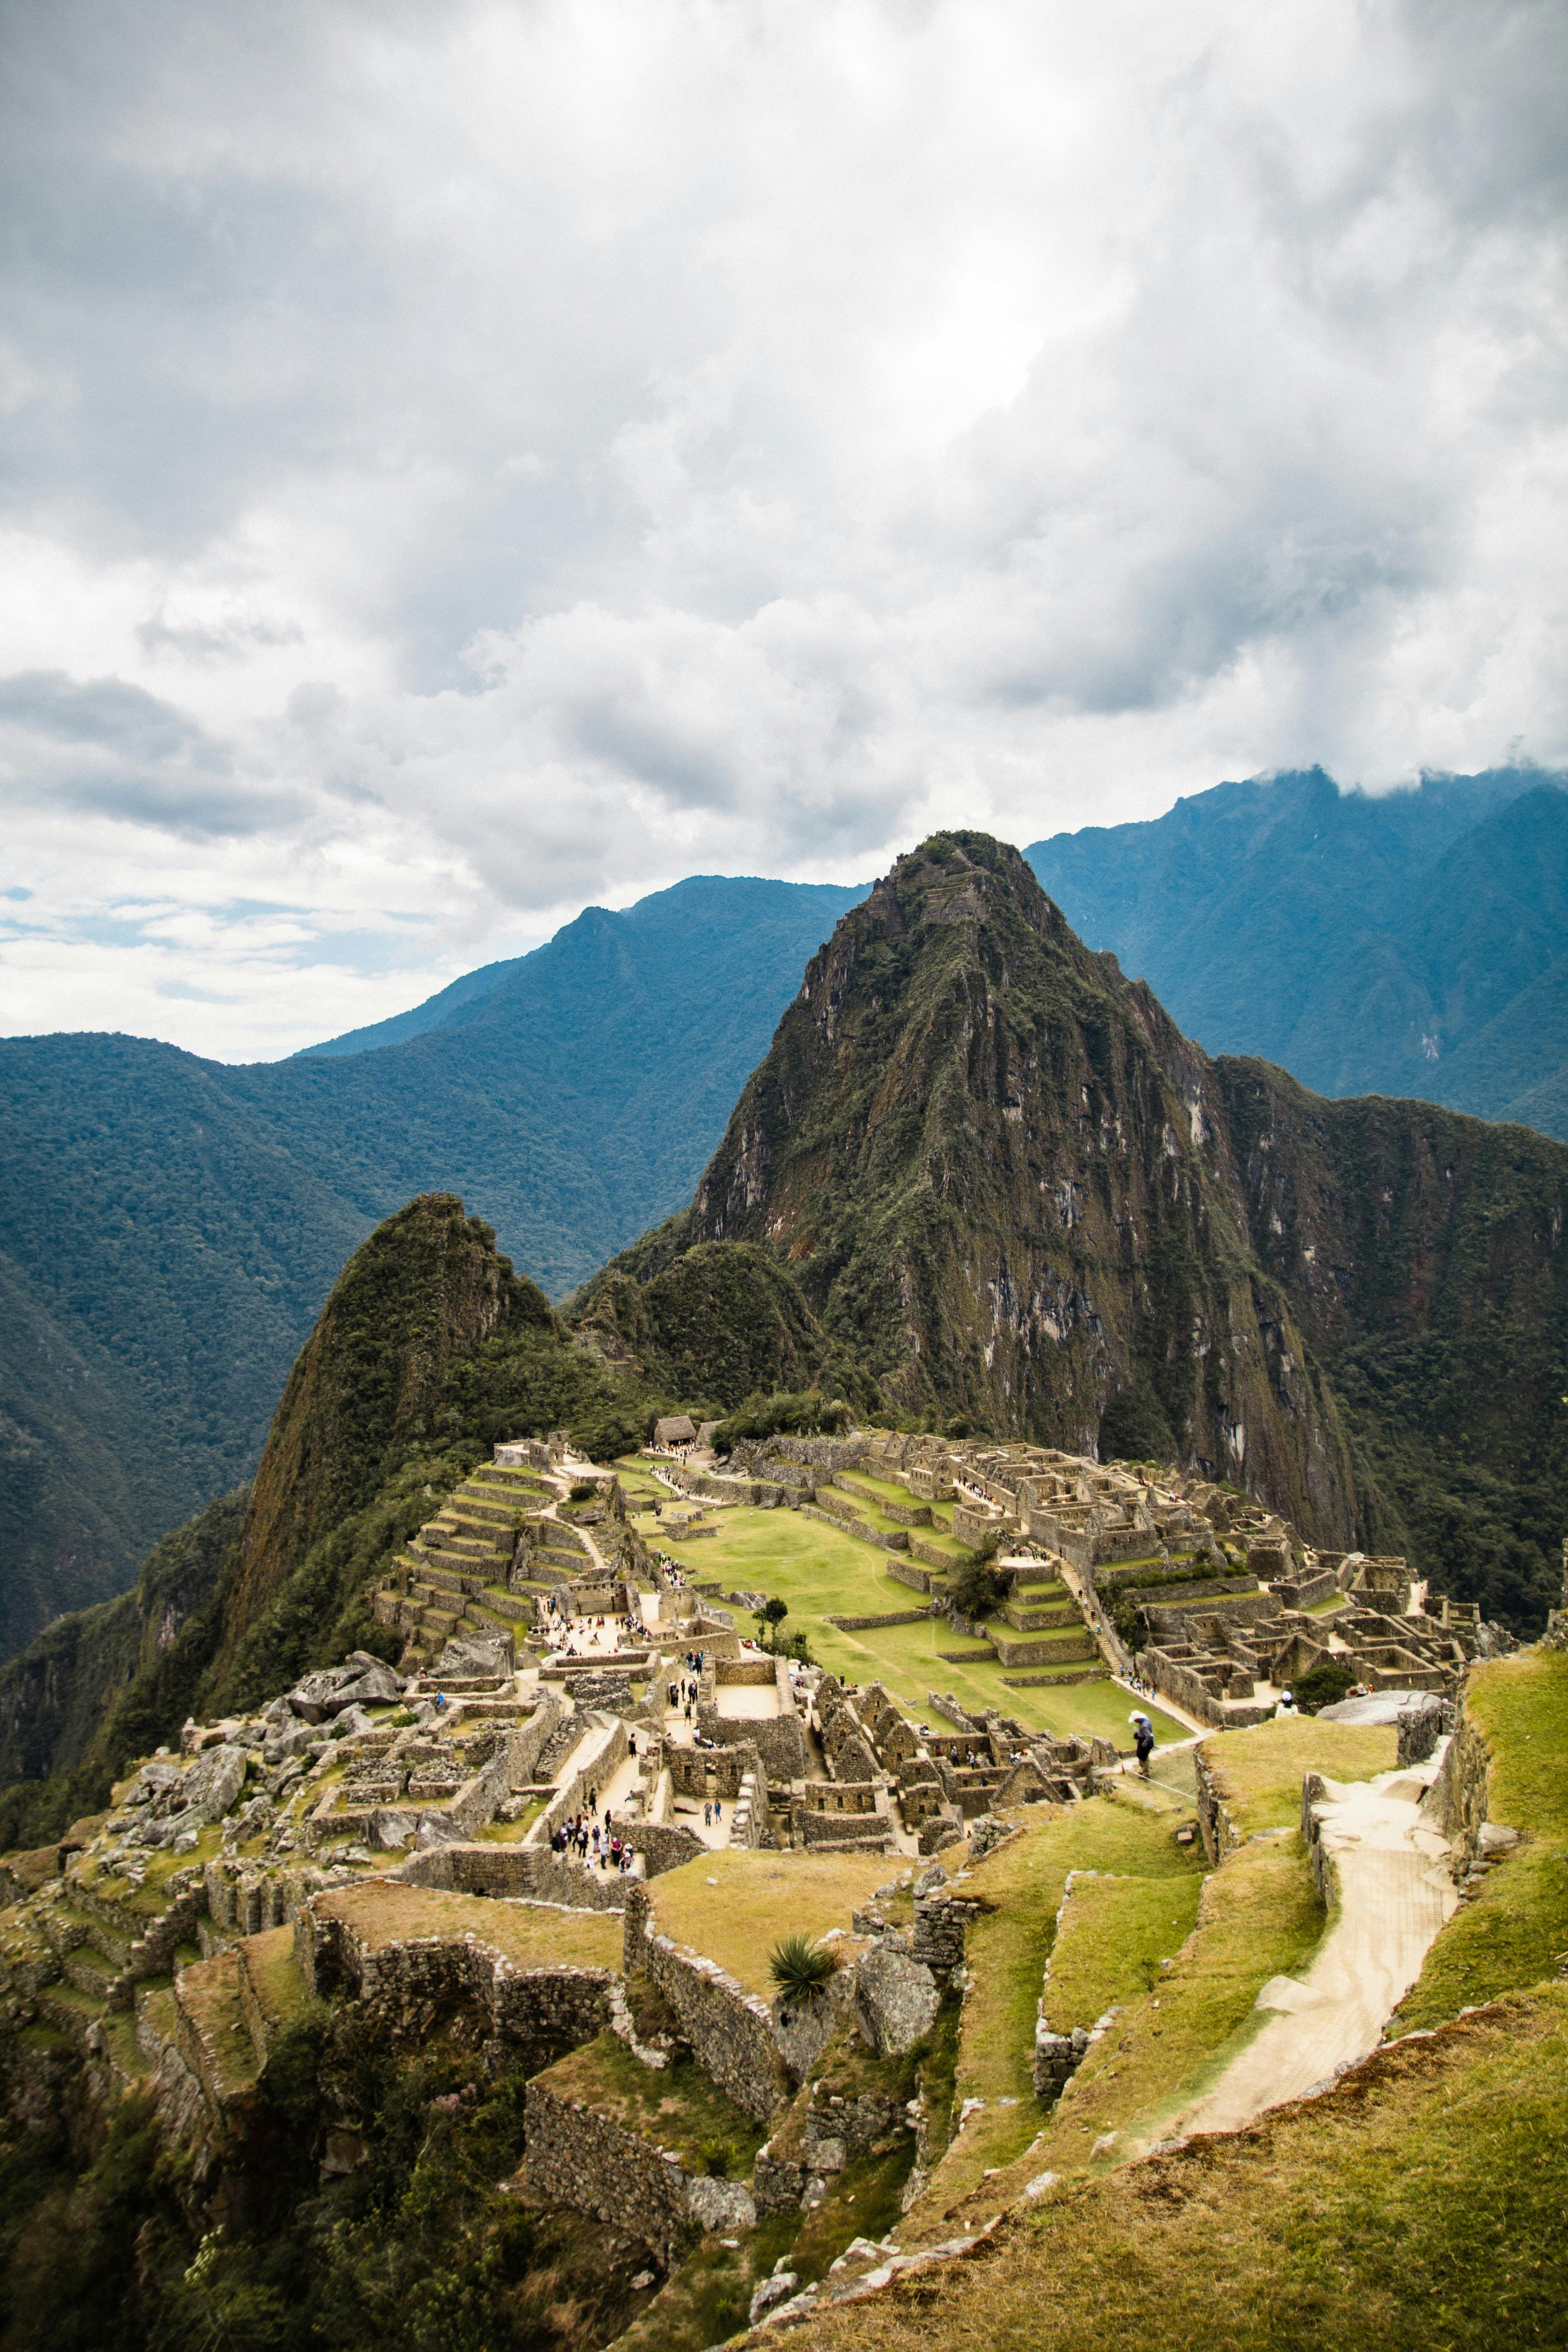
[1404, 943]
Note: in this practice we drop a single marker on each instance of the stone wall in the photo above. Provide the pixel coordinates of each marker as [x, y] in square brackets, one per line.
[1463, 1787]
[408, 1987]
[691, 1770]
[573, 1797]
[731, 2031]
[516, 1873]
[578, 2158]
[893, 1617]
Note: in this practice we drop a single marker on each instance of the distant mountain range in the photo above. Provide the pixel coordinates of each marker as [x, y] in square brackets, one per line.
[170, 1227]
[1408, 943]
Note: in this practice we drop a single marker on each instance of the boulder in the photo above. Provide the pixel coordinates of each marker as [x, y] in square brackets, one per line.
[895, 2000]
[719, 2205]
[211, 1785]
[155, 1780]
[390, 1827]
[366, 1662]
[471, 1656]
[297, 1740]
[310, 1695]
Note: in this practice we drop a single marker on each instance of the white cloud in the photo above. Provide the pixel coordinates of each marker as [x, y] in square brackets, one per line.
[468, 463]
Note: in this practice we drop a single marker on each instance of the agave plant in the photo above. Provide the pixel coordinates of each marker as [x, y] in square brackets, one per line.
[801, 1969]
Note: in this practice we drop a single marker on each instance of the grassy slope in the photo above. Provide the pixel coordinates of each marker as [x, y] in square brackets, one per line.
[1006, 1953]
[1416, 2209]
[1421, 2212]
[820, 1571]
[675, 2107]
[1514, 1931]
[1258, 1773]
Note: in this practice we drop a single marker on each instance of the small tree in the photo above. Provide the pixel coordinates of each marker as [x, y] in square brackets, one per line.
[770, 1617]
[976, 1587]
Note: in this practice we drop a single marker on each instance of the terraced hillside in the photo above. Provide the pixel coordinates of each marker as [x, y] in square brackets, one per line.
[601, 2122]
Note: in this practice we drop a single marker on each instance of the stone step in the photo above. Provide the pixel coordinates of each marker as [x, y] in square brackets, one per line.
[482, 1512]
[515, 1606]
[66, 1928]
[85, 1967]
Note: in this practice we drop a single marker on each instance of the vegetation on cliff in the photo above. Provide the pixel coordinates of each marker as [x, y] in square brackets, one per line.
[1004, 1184]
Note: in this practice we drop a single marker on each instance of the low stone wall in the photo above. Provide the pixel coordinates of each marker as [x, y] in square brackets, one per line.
[663, 1845]
[1174, 1619]
[577, 2157]
[894, 1540]
[1033, 1650]
[904, 1571]
[518, 1873]
[1056, 1682]
[891, 1617]
[731, 2031]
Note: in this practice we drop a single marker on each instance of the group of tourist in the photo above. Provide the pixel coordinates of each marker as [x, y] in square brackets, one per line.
[598, 1843]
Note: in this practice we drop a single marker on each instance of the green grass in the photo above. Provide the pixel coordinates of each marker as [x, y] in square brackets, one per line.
[1261, 1916]
[1114, 1934]
[884, 1490]
[1514, 1931]
[1005, 1953]
[1421, 2213]
[819, 1572]
[1258, 1773]
[274, 1971]
[758, 1897]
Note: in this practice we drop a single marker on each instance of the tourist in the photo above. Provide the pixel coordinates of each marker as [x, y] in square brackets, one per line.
[1286, 1705]
[706, 1817]
[1143, 1741]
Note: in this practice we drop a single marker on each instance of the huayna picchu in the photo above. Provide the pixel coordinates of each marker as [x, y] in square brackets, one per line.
[952, 1751]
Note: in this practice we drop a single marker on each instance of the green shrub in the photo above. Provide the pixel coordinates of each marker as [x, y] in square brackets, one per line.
[718, 2159]
[975, 1588]
[1324, 1686]
[802, 1970]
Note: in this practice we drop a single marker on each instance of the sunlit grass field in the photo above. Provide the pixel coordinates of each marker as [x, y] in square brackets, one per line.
[820, 1572]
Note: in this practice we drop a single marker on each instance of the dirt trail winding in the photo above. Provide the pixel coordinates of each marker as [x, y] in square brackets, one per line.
[1394, 1895]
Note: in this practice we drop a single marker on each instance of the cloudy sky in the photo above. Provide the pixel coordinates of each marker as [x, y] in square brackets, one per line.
[466, 461]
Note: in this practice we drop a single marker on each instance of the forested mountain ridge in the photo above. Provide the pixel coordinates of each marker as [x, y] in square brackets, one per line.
[430, 1348]
[1412, 942]
[169, 1226]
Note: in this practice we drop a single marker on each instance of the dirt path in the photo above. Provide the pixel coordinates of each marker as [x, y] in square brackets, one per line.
[1394, 1895]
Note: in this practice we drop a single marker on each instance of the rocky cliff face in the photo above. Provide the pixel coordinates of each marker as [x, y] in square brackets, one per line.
[1003, 1177]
